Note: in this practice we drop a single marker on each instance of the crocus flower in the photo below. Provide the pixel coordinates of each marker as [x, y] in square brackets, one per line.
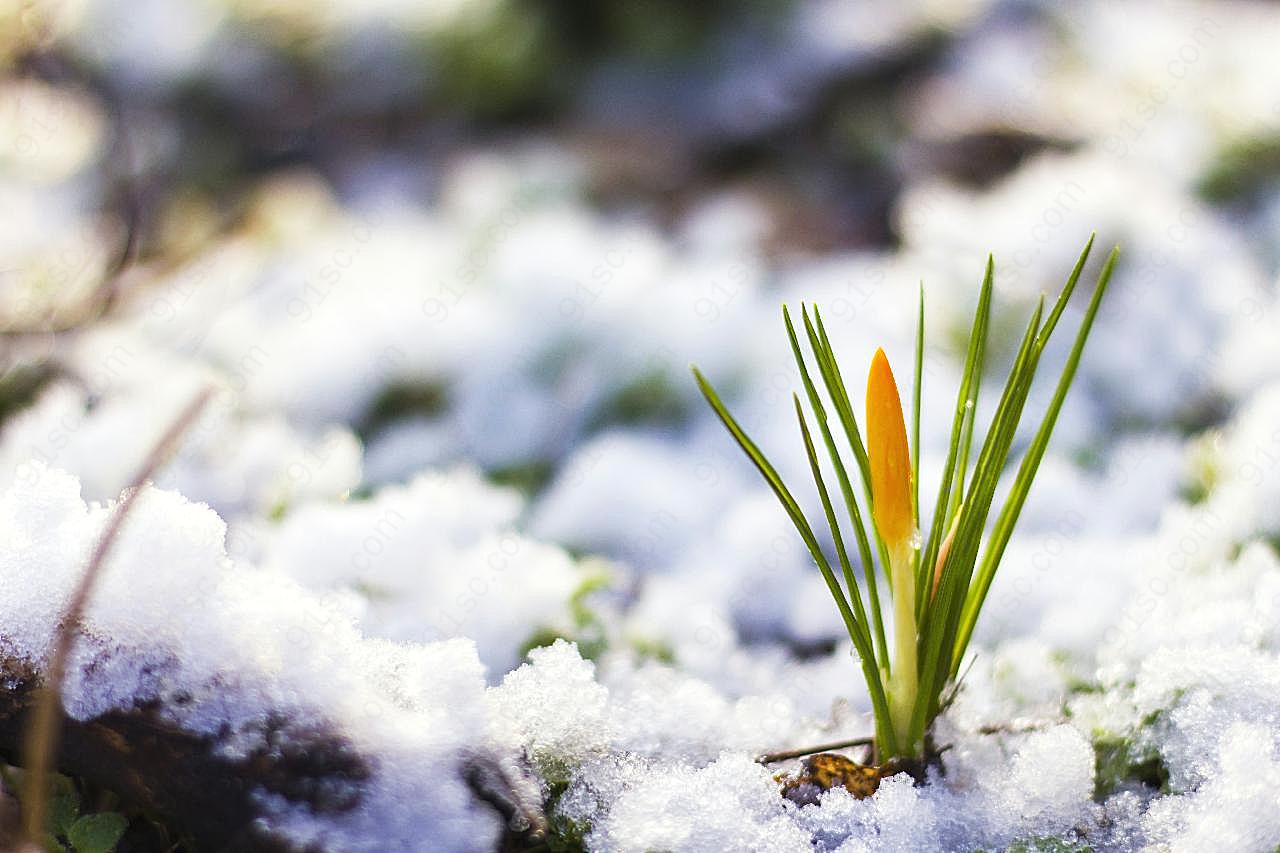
[938, 584]
[891, 508]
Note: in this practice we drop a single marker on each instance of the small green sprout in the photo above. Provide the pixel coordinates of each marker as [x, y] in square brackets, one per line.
[937, 583]
[71, 827]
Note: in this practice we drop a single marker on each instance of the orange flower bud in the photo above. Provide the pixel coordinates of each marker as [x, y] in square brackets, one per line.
[888, 455]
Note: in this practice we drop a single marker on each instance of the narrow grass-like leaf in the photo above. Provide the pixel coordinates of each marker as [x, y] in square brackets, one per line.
[971, 413]
[834, 382]
[847, 412]
[964, 403]
[1069, 288]
[1046, 330]
[780, 490]
[862, 641]
[1042, 338]
[1008, 518]
[942, 616]
[840, 396]
[842, 476]
[971, 416]
[966, 435]
[919, 568]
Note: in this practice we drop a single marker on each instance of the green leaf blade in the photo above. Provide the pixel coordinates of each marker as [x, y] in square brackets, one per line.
[1008, 517]
[965, 402]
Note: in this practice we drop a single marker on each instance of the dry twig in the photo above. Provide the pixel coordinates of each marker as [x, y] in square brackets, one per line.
[42, 737]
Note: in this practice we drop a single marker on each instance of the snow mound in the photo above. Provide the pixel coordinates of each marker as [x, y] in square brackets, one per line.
[439, 557]
[228, 651]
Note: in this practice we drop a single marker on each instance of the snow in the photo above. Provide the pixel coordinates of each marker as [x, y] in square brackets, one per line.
[241, 464]
[649, 523]
[1235, 809]
[173, 617]
[432, 559]
[636, 620]
[553, 708]
[731, 805]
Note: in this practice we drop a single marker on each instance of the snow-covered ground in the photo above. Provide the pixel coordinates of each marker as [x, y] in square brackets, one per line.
[457, 493]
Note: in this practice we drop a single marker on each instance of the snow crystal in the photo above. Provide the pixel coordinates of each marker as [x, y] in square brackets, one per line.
[1236, 809]
[553, 707]
[728, 806]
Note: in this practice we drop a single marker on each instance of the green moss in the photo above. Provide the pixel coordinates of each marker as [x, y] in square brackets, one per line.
[596, 579]
[587, 628]
[1048, 844]
[1204, 468]
[591, 648]
[1081, 687]
[404, 399]
[1244, 170]
[528, 478]
[1118, 761]
[495, 61]
[20, 386]
[564, 834]
[1090, 458]
[651, 398]
[278, 510]
[650, 649]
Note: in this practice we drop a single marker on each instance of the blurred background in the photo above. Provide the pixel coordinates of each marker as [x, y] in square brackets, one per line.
[491, 236]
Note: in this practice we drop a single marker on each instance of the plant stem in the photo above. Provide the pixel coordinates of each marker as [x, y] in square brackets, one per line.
[904, 680]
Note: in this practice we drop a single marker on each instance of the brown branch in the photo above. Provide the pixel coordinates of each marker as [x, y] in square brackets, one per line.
[787, 755]
[42, 738]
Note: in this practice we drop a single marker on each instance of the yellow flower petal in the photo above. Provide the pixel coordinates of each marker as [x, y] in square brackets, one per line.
[942, 556]
[888, 456]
